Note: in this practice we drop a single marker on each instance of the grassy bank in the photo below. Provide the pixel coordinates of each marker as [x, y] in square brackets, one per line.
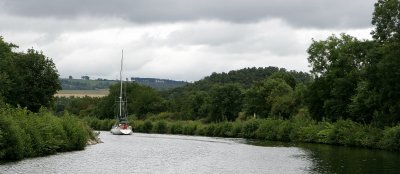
[25, 134]
[298, 129]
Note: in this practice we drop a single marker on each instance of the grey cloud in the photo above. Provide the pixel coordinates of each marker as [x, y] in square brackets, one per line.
[300, 13]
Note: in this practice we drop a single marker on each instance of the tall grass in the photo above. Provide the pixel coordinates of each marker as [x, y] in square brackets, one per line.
[26, 134]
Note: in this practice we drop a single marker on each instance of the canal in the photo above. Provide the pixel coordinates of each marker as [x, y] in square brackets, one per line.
[153, 153]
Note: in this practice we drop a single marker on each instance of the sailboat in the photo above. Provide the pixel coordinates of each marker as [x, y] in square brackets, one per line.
[121, 126]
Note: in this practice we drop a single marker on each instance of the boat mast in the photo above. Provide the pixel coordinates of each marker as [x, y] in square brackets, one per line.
[120, 93]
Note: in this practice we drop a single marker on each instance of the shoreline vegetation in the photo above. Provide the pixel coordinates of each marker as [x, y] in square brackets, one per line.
[24, 134]
[297, 129]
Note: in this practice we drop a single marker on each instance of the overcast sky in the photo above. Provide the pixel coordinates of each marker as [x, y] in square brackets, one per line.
[178, 39]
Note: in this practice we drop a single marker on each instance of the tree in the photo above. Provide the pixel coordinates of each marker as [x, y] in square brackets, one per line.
[386, 18]
[30, 79]
[336, 64]
[225, 102]
[271, 97]
[377, 96]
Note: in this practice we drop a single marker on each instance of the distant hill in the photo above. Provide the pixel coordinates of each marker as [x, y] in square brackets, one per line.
[245, 77]
[160, 84]
[84, 84]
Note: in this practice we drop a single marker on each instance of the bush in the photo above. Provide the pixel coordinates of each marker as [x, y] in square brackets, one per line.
[176, 128]
[76, 132]
[391, 138]
[249, 128]
[369, 137]
[147, 126]
[160, 127]
[26, 134]
[268, 129]
[13, 144]
[235, 130]
[190, 128]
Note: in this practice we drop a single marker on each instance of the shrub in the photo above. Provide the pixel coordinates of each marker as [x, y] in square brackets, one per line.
[391, 138]
[76, 132]
[190, 128]
[249, 128]
[13, 144]
[27, 134]
[160, 127]
[147, 126]
[176, 128]
[268, 129]
[343, 132]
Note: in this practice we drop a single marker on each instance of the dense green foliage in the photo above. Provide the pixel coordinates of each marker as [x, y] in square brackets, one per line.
[30, 80]
[357, 79]
[295, 129]
[26, 79]
[225, 96]
[76, 105]
[27, 134]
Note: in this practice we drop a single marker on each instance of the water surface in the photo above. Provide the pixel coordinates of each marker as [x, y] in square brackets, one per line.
[153, 153]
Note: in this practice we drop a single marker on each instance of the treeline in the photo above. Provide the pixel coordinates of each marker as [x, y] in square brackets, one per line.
[209, 100]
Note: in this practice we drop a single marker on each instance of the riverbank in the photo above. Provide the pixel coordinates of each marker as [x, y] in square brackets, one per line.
[297, 129]
[95, 139]
[24, 134]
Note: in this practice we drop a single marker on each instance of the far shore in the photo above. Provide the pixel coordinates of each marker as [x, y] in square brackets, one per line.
[82, 93]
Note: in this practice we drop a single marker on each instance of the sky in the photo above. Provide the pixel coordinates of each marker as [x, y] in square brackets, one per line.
[178, 39]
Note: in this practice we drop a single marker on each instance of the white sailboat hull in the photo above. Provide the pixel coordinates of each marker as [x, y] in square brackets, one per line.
[116, 130]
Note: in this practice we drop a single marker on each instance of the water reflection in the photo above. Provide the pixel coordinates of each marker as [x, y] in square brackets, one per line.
[339, 159]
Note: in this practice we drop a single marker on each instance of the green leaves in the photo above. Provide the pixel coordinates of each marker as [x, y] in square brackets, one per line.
[27, 79]
[225, 102]
[271, 97]
[386, 19]
[26, 134]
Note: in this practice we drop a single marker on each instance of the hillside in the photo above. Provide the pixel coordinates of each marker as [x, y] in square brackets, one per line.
[81, 84]
[245, 77]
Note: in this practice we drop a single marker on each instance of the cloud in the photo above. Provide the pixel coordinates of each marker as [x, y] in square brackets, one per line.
[299, 13]
[181, 40]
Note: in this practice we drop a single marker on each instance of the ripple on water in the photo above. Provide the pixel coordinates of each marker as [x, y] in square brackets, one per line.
[153, 153]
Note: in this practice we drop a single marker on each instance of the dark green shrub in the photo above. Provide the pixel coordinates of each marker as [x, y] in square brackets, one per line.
[147, 126]
[201, 130]
[284, 131]
[176, 128]
[13, 143]
[368, 137]
[189, 128]
[76, 132]
[160, 127]
[343, 132]
[249, 128]
[268, 129]
[391, 138]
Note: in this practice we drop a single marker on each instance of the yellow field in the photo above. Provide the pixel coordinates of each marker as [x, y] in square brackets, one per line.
[82, 93]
